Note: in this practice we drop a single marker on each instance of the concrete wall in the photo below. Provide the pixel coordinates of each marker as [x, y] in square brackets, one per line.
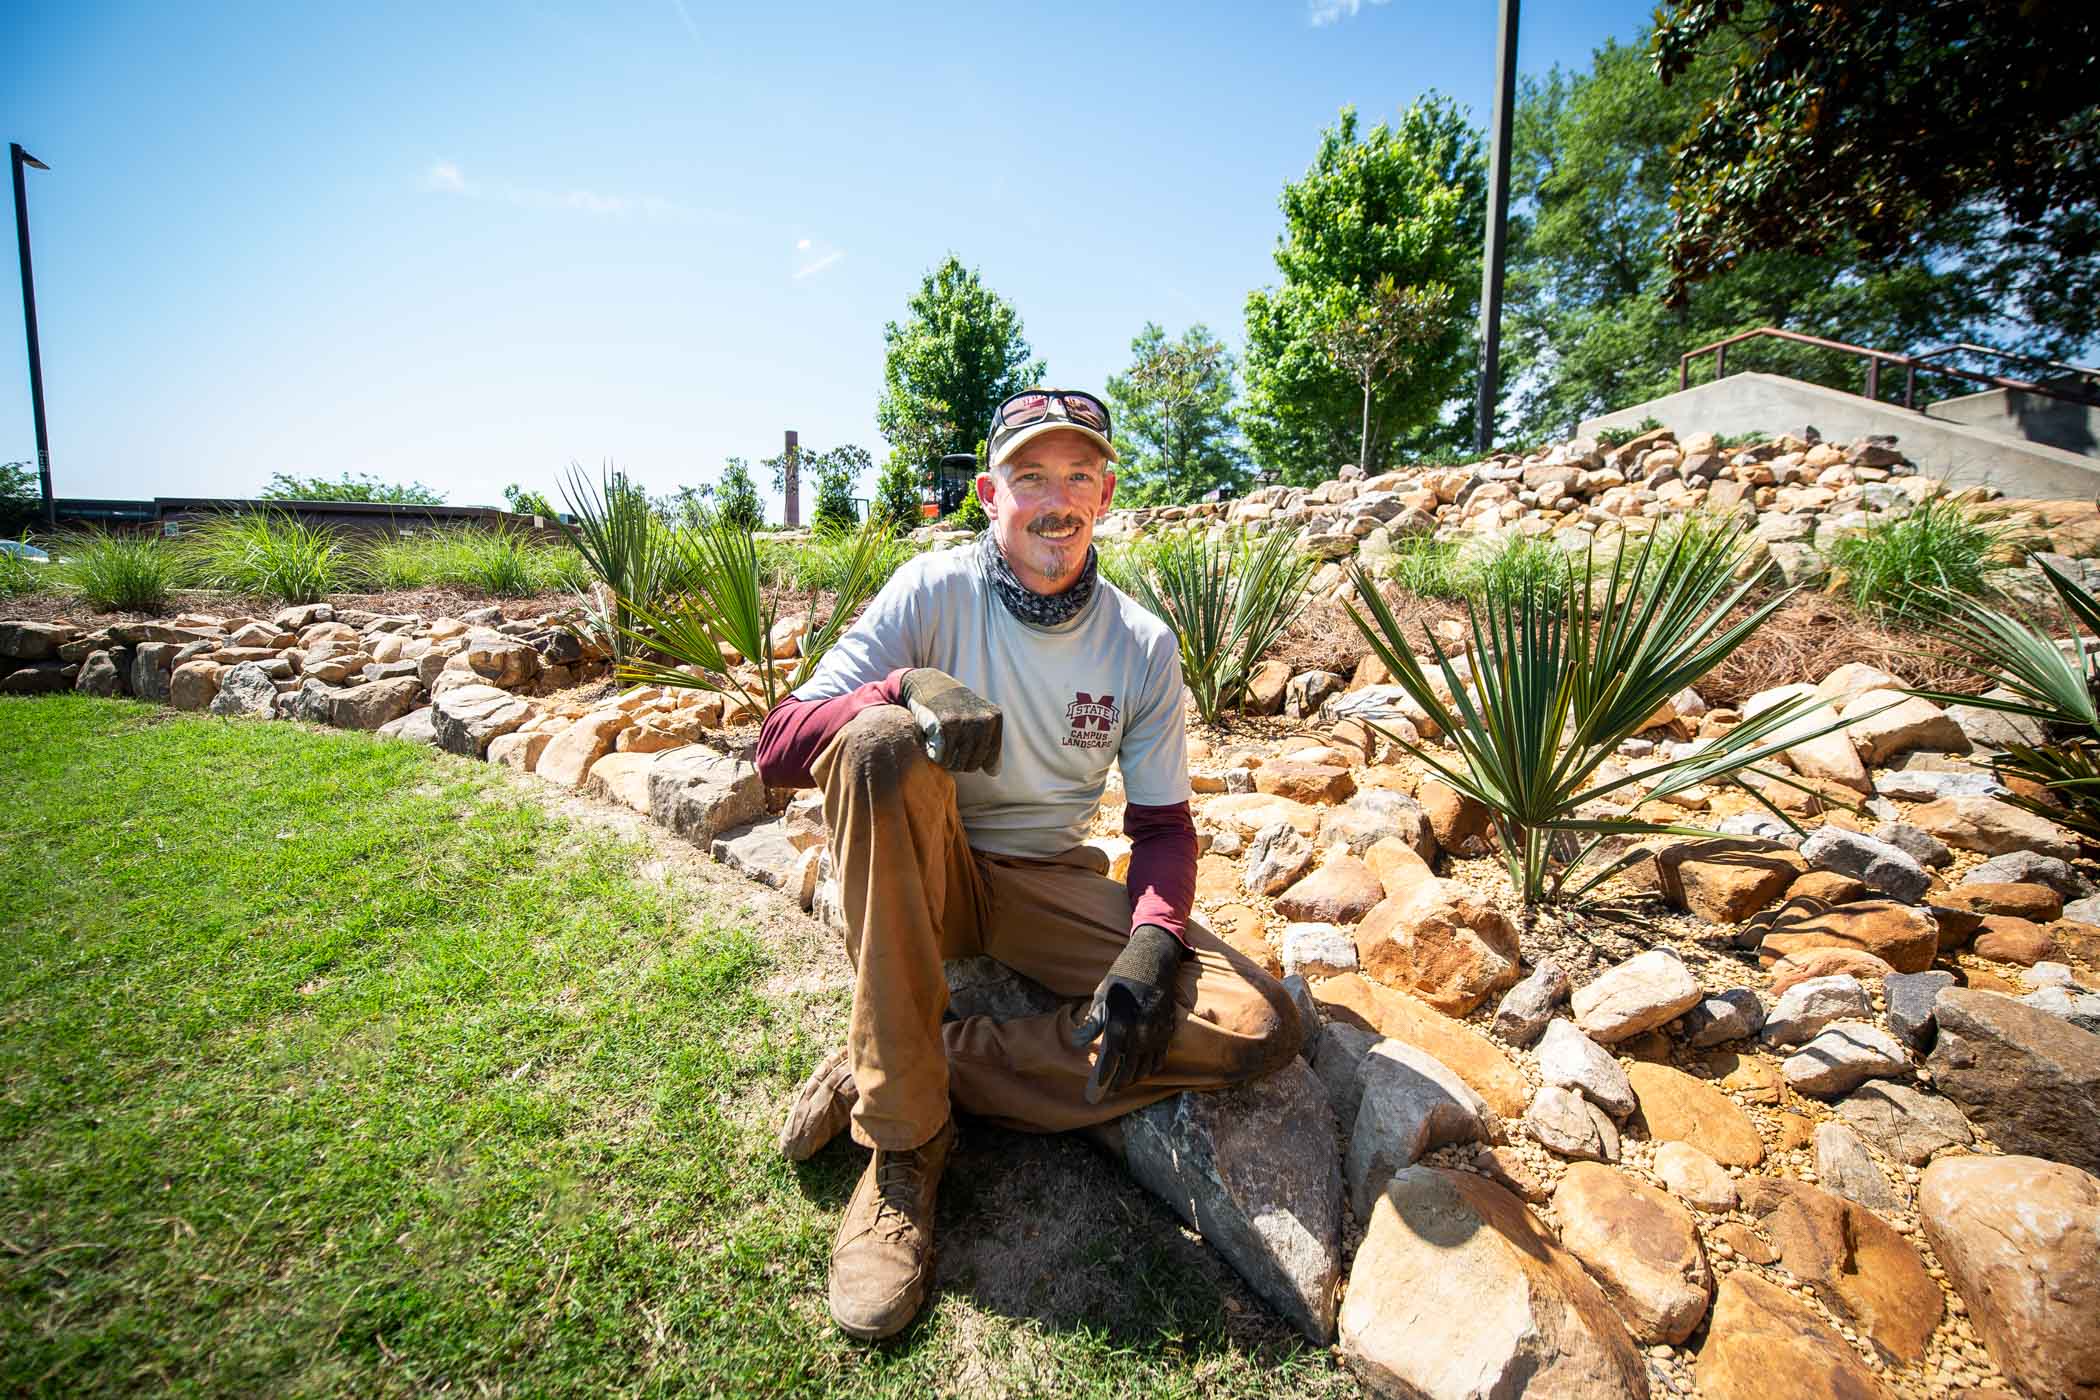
[1957, 452]
[2075, 427]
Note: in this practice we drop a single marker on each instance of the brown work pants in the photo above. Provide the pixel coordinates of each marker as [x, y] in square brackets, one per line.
[914, 894]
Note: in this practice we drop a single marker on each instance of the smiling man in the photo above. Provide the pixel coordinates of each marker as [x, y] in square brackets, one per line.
[962, 732]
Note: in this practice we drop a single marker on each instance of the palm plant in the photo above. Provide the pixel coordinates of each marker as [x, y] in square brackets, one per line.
[626, 548]
[1562, 679]
[2037, 677]
[1227, 602]
[724, 612]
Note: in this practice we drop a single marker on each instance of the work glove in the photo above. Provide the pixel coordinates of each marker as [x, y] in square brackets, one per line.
[1132, 1012]
[960, 728]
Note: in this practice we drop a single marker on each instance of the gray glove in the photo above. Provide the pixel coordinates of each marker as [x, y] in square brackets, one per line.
[960, 728]
[1132, 1012]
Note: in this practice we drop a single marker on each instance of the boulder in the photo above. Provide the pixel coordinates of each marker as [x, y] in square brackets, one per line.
[1722, 1017]
[1572, 1060]
[2080, 1008]
[1338, 1050]
[1342, 891]
[1378, 814]
[152, 665]
[1458, 822]
[1904, 1123]
[1909, 997]
[1231, 1165]
[1791, 971]
[466, 718]
[1929, 785]
[624, 778]
[1876, 864]
[1395, 1014]
[1276, 858]
[417, 727]
[2029, 1080]
[700, 794]
[1763, 1343]
[1528, 1006]
[1408, 1102]
[2017, 899]
[1317, 950]
[1445, 1245]
[1927, 850]
[568, 757]
[1993, 827]
[1640, 1246]
[1843, 1056]
[1320, 784]
[1904, 723]
[1807, 1007]
[194, 685]
[245, 691]
[1829, 758]
[763, 851]
[1843, 1165]
[1440, 940]
[32, 641]
[2028, 868]
[2016, 941]
[101, 675]
[1565, 1122]
[1694, 1177]
[1645, 991]
[1904, 937]
[504, 662]
[2020, 1241]
[1724, 880]
[1678, 1108]
[1856, 1263]
[374, 703]
[518, 749]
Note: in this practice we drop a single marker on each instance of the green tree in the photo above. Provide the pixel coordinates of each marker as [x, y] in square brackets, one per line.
[899, 491]
[736, 496]
[1174, 429]
[836, 472]
[350, 486]
[19, 481]
[524, 502]
[957, 353]
[1385, 341]
[1405, 201]
[1587, 326]
[1863, 126]
[683, 508]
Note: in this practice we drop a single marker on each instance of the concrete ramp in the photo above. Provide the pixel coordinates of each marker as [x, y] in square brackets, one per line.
[1957, 452]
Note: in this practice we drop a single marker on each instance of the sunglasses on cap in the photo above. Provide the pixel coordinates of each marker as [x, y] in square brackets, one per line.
[1032, 406]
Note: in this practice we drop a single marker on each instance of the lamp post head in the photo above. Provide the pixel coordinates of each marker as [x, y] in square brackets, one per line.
[23, 157]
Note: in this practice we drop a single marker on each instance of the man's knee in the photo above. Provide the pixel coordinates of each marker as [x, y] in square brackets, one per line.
[879, 751]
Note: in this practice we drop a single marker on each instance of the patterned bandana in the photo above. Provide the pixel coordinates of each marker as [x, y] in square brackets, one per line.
[1037, 609]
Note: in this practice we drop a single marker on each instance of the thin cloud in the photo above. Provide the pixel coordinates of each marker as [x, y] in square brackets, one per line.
[811, 269]
[1325, 12]
[690, 27]
[446, 177]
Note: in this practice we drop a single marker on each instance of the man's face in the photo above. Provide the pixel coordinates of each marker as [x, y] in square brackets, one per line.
[1043, 501]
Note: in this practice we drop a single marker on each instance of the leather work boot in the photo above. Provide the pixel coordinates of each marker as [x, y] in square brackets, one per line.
[821, 1108]
[882, 1260]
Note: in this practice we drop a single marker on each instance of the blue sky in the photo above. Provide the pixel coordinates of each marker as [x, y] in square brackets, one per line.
[469, 244]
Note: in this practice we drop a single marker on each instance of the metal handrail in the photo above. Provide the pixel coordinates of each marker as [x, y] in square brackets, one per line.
[1875, 359]
[1968, 347]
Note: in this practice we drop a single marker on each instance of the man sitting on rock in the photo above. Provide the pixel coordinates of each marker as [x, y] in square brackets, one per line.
[956, 833]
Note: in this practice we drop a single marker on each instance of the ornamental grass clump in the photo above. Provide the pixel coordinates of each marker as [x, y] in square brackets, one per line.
[722, 611]
[1555, 686]
[18, 574]
[1906, 569]
[268, 554]
[2054, 683]
[118, 573]
[1227, 601]
[625, 546]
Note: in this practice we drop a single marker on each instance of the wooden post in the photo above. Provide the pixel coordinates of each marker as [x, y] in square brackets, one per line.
[791, 480]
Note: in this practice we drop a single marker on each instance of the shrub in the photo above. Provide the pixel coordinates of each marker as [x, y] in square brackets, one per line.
[970, 515]
[118, 573]
[724, 606]
[624, 545]
[1559, 685]
[2033, 675]
[18, 576]
[267, 554]
[1123, 561]
[1448, 570]
[828, 558]
[1227, 601]
[736, 497]
[1609, 438]
[1907, 567]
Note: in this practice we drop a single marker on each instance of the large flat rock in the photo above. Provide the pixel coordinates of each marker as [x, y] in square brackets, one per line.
[2029, 1080]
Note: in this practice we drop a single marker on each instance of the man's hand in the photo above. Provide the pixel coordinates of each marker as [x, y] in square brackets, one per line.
[1132, 1012]
[960, 728]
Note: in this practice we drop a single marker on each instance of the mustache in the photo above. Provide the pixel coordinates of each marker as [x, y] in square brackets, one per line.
[1056, 522]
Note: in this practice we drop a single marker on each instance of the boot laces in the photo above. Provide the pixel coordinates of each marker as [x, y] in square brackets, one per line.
[897, 1178]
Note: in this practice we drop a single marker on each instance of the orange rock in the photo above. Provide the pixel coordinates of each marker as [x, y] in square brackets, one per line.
[1383, 1011]
[1320, 784]
[1903, 937]
[2037, 903]
[1679, 1108]
[2009, 940]
[1442, 942]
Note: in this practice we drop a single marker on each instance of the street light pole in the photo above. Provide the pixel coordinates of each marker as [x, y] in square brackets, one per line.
[20, 158]
[1497, 231]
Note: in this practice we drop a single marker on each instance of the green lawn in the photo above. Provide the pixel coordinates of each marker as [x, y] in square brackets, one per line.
[328, 1065]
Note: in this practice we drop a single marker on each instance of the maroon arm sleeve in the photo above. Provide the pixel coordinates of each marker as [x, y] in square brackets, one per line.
[796, 731]
[1162, 866]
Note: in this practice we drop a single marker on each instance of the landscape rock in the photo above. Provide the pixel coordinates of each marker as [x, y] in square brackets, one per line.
[568, 757]
[1528, 1006]
[1565, 1122]
[2020, 900]
[466, 719]
[1844, 1056]
[1572, 1060]
[700, 794]
[1643, 992]
[1226, 1162]
[1877, 864]
[375, 703]
[1442, 941]
[1695, 1177]
[1929, 785]
[1855, 1262]
[1794, 969]
[1909, 997]
[1678, 1108]
[624, 778]
[1408, 1103]
[1763, 1343]
[1342, 891]
[1723, 880]
[1277, 856]
[2029, 1080]
[1640, 1246]
[152, 665]
[2019, 1238]
[2080, 1008]
[193, 685]
[1903, 1122]
[418, 726]
[245, 691]
[1317, 950]
[763, 851]
[1844, 1165]
[1442, 1245]
[1904, 937]
[1340, 1048]
[1902, 724]
[1921, 846]
[1321, 784]
[1724, 1016]
[2029, 868]
[2020, 942]
[1807, 1007]
[1993, 827]
[1475, 1058]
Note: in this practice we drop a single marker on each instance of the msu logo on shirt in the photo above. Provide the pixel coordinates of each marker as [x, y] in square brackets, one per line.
[1093, 721]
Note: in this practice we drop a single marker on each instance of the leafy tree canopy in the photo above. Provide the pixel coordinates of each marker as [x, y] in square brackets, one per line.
[1173, 419]
[1864, 125]
[899, 491]
[18, 481]
[836, 472]
[1588, 327]
[1405, 201]
[736, 496]
[957, 353]
[350, 486]
[524, 502]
